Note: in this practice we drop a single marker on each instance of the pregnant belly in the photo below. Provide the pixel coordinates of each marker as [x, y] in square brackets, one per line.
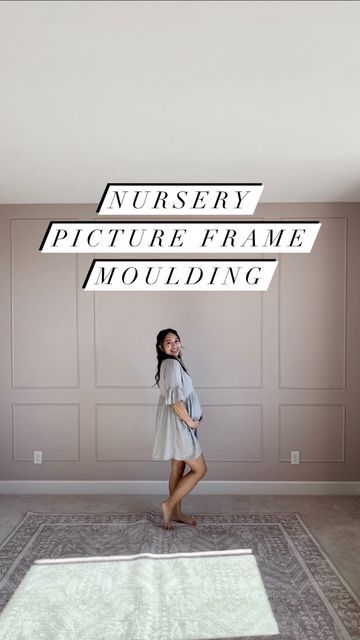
[193, 406]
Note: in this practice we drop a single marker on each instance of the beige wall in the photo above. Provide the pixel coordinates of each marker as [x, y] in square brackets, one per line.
[275, 371]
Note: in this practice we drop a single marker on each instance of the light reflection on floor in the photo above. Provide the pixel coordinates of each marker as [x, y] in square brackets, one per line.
[182, 596]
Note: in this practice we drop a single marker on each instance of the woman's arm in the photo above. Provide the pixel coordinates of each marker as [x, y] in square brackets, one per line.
[180, 411]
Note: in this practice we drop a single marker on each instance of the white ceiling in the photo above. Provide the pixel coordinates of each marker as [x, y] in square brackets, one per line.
[183, 91]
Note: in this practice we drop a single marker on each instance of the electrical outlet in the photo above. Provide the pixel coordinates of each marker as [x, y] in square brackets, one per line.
[295, 457]
[38, 455]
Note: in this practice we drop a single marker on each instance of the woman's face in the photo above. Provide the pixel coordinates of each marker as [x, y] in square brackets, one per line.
[171, 345]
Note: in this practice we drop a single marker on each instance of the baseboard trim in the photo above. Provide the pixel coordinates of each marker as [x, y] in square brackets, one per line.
[160, 487]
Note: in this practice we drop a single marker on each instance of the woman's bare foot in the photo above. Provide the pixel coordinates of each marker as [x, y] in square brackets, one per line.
[167, 515]
[178, 516]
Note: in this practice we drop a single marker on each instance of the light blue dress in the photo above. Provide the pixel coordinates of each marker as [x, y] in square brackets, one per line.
[173, 438]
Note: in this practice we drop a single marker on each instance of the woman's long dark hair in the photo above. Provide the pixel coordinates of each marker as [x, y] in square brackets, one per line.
[161, 356]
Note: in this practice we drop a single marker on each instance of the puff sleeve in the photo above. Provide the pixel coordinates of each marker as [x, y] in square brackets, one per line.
[172, 381]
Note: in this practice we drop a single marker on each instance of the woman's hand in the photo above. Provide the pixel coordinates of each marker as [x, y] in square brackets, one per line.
[194, 424]
[180, 410]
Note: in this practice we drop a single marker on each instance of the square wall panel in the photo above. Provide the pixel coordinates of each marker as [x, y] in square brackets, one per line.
[317, 431]
[232, 433]
[51, 428]
[124, 431]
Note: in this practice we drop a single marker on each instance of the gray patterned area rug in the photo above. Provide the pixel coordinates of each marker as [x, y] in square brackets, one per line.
[308, 598]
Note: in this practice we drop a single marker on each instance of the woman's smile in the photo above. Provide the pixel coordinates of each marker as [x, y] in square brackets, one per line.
[171, 345]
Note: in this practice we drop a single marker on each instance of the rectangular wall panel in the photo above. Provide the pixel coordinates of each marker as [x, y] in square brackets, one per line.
[50, 428]
[44, 311]
[221, 335]
[316, 431]
[312, 312]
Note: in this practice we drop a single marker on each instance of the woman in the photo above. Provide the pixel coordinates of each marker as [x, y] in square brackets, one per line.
[178, 415]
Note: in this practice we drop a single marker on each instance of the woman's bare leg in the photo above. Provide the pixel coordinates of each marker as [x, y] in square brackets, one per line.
[177, 472]
[184, 486]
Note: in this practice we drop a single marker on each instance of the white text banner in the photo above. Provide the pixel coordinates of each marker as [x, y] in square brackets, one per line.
[180, 199]
[180, 237]
[180, 275]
